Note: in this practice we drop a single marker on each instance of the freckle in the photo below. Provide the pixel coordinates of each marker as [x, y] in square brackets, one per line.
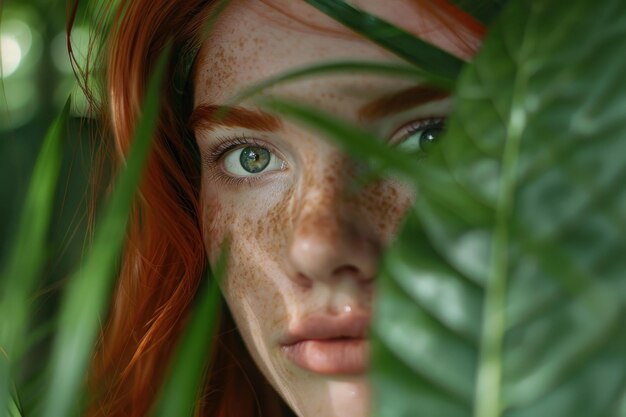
[377, 192]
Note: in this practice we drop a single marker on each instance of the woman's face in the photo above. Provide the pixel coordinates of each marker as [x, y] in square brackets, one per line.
[305, 237]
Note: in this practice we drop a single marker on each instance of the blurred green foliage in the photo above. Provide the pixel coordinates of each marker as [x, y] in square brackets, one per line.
[503, 296]
[37, 78]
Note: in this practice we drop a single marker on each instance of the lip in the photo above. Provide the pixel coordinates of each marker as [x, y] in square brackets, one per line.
[329, 345]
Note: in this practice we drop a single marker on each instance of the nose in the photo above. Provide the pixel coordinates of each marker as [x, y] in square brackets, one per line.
[330, 239]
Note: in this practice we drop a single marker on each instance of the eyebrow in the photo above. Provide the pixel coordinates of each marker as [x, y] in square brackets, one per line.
[209, 117]
[399, 101]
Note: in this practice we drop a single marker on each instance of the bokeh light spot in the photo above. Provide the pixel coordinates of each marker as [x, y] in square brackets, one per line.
[21, 32]
[80, 48]
[20, 105]
[10, 53]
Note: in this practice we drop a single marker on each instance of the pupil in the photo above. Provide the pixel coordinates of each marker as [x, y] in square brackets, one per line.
[428, 138]
[254, 159]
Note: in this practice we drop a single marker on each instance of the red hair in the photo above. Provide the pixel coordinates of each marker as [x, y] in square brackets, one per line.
[164, 256]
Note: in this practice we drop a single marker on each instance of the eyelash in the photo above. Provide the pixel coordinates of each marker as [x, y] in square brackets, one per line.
[228, 143]
[416, 126]
[225, 144]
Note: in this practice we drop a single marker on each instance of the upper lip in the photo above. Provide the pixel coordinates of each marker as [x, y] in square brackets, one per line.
[327, 327]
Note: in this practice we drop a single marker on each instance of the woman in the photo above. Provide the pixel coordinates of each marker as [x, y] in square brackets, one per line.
[304, 242]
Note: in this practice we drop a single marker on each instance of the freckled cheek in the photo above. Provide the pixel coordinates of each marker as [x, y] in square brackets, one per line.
[215, 220]
[386, 203]
[247, 288]
[255, 286]
[245, 281]
[257, 300]
[273, 228]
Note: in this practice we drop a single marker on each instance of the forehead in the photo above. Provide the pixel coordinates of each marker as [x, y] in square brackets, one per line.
[254, 39]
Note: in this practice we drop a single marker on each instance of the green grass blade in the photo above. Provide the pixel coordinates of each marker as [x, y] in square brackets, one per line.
[26, 260]
[181, 388]
[482, 10]
[436, 63]
[14, 409]
[359, 143]
[369, 67]
[88, 291]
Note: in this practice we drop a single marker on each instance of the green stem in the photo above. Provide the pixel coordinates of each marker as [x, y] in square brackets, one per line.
[488, 401]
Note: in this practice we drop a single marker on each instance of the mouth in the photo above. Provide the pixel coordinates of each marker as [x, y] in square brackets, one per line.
[329, 345]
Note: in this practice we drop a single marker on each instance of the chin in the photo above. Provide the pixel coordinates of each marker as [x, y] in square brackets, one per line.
[336, 396]
[349, 398]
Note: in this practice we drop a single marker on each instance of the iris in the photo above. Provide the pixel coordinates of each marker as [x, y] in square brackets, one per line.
[428, 138]
[254, 159]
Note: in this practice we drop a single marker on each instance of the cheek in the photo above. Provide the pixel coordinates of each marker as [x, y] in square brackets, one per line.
[256, 298]
[271, 228]
[386, 203]
[255, 228]
[248, 213]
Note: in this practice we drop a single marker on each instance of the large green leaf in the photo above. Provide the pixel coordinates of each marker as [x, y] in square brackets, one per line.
[511, 302]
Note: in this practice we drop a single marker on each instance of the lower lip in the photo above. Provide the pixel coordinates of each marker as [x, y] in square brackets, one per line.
[330, 356]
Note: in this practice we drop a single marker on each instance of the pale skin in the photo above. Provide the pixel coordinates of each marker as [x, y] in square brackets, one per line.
[305, 240]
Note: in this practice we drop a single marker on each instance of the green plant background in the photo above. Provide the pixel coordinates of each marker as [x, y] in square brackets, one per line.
[505, 292]
[31, 96]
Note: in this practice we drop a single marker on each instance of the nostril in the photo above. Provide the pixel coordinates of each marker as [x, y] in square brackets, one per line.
[303, 280]
[349, 270]
[346, 269]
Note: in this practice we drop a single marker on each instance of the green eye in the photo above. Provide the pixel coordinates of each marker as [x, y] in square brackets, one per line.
[251, 160]
[254, 159]
[420, 136]
[428, 138]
